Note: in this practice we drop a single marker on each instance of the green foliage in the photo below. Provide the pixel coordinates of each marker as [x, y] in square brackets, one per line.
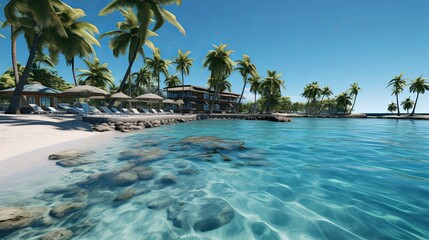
[391, 107]
[45, 76]
[98, 75]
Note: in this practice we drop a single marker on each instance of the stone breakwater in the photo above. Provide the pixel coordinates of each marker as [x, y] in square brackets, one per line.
[129, 123]
[267, 117]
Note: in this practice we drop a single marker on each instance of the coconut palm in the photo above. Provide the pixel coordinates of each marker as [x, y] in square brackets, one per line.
[255, 85]
[397, 84]
[43, 19]
[391, 107]
[145, 11]
[343, 101]
[80, 39]
[407, 104]
[183, 64]
[98, 75]
[127, 38]
[245, 68]
[42, 59]
[354, 90]
[418, 85]
[172, 81]
[326, 92]
[220, 65]
[142, 79]
[312, 92]
[158, 66]
[271, 87]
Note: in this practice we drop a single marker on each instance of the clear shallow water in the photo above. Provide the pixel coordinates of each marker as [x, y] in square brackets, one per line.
[310, 179]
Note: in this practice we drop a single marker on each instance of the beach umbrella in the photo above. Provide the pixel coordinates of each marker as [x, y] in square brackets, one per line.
[84, 91]
[168, 101]
[120, 96]
[34, 88]
[179, 102]
[150, 97]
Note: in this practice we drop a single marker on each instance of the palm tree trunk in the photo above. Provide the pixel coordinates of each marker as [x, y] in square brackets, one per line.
[397, 104]
[129, 89]
[415, 104]
[74, 74]
[254, 105]
[13, 50]
[159, 89]
[242, 92]
[127, 73]
[353, 106]
[14, 104]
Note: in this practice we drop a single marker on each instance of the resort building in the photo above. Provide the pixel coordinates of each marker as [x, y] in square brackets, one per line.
[198, 99]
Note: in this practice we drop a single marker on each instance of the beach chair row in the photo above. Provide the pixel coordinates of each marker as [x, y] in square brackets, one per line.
[85, 109]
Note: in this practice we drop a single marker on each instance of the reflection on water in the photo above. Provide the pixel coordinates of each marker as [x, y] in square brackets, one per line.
[309, 179]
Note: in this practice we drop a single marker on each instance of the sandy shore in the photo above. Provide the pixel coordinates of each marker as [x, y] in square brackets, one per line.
[21, 134]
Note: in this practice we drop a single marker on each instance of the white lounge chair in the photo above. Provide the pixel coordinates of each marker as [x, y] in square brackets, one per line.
[154, 111]
[37, 109]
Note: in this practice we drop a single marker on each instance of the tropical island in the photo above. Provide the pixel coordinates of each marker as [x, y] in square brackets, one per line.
[336, 171]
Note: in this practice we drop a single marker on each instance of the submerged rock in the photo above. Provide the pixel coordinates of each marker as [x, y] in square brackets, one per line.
[58, 234]
[69, 154]
[15, 218]
[64, 209]
[213, 213]
[189, 171]
[168, 179]
[163, 199]
[144, 173]
[213, 144]
[59, 189]
[73, 162]
[125, 195]
[125, 178]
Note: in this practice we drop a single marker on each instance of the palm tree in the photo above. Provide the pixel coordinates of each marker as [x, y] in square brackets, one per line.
[312, 92]
[183, 63]
[407, 104]
[326, 92]
[45, 59]
[271, 87]
[255, 86]
[127, 37]
[418, 85]
[172, 81]
[143, 79]
[398, 85]
[391, 107]
[80, 39]
[220, 65]
[354, 90]
[146, 10]
[44, 20]
[245, 68]
[158, 66]
[98, 75]
[343, 101]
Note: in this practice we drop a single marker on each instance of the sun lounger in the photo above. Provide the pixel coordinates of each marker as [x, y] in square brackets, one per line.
[37, 109]
[106, 110]
[115, 110]
[161, 111]
[146, 111]
[71, 109]
[133, 110]
[56, 111]
[154, 111]
[126, 111]
[171, 111]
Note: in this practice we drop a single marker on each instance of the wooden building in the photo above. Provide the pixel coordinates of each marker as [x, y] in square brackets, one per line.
[198, 99]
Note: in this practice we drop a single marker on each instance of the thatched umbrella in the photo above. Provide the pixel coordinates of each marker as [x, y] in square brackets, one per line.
[84, 91]
[34, 89]
[150, 97]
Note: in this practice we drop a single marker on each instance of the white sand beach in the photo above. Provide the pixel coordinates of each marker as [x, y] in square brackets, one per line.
[21, 134]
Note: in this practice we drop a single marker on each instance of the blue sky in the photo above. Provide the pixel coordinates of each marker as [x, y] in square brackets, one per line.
[333, 42]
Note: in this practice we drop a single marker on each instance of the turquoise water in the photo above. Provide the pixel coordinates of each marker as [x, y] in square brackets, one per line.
[309, 179]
